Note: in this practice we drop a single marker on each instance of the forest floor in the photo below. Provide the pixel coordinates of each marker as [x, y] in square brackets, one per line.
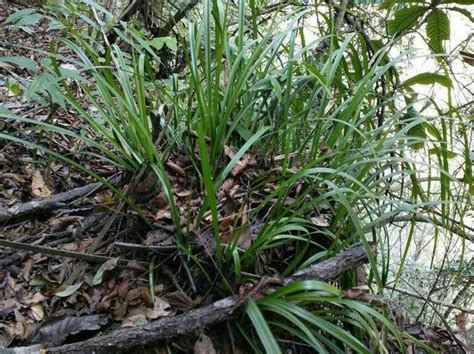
[77, 260]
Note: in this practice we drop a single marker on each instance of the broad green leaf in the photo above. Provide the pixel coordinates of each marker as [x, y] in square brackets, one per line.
[71, 289]
[428, 79]
[437, 30]
[21, 61]
[417, 131]
[405, 19]
[159, 42]
[261, 326]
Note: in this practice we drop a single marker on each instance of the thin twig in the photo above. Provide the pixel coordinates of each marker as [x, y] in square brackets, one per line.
[61, 253]
[437, 302]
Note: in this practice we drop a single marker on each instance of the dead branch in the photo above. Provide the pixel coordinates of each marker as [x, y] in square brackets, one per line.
[39, 206]
[173, 20]
[219, 311]
[21, 246]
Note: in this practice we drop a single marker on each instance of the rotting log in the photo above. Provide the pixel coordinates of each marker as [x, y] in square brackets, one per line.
[219, 311]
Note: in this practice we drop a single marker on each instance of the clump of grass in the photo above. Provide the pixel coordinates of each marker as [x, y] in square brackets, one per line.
[317, 120]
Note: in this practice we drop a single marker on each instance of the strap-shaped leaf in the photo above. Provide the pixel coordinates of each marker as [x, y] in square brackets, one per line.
[437, 30]
[22, 62]
[428, 79]
[405, 19]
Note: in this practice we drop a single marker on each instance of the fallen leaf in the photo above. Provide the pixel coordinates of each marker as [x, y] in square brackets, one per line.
[160, 309]
[136, 266]
[69, 290]
[461, 320]
[322, 220]
[7, 307]
[105, 267]
[38, 187]
[204, 345]
[245, 236]
[35, 299]
[176, 168]
[37, 311]
[135, 320]
[242, 164]
[180, 300]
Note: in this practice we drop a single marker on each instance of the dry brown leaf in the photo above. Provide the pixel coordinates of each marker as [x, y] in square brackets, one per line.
[35, 299]
[160, 201]
[231, 205]
[176, 168]
[162, 214]
[136, 266]
[245, 236]
[8, 306]
[183, 193]
[241, 164]
[230, 151]
[204, 345]
[160, 309]
[135, 320]
[226, 186]
[37, 312]
[38, 187]
[357, 292]
[461, 320]
[122, 288]
[180, 300]
[322, 220]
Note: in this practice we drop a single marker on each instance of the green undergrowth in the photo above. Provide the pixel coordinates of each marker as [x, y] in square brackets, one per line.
[319, 126]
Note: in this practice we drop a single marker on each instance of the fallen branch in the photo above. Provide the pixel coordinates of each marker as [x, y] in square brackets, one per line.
[219, 311]
[173, 20]
[21, 246]
[437, 302]
[39, 206]
[456, 227]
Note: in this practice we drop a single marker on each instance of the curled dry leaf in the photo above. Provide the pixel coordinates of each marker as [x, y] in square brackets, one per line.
[204, 345]
[38, 187]
[246, 160]
[160, 309]
[176, 168]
